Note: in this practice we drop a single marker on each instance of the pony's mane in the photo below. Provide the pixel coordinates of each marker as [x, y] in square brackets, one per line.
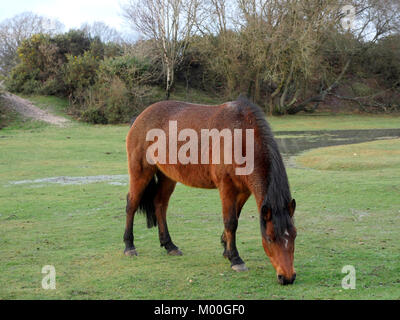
[278, 190]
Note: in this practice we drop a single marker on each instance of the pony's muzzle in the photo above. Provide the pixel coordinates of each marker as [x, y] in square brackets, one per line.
[285, 281]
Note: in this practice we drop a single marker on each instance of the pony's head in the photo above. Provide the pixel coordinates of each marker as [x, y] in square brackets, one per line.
[278, 235]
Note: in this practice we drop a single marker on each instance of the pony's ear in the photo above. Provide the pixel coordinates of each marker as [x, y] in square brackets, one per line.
[292, 207]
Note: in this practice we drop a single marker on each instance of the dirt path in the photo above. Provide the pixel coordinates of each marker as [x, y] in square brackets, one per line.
[27, 109]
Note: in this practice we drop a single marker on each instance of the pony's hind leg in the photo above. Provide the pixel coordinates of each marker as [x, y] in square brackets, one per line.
[165, 188]
[139, 180]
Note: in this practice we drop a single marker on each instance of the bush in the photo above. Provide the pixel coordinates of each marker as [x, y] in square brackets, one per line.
[38, 69]
[129, 69]
[56, 65]
[53, 86]
[95, 116]
[74, 42]
[108, 103]
[23, 80]
[384, 59]
[80, 71]
[121, 89]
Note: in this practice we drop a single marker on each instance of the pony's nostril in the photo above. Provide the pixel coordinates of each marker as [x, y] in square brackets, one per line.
[281, 279]
[285, 281]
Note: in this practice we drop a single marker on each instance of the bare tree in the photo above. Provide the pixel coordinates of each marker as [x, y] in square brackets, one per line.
[105, 33]
[376, 19]
[170, 24]
[373, 20]
[280, 41]
[22, 26]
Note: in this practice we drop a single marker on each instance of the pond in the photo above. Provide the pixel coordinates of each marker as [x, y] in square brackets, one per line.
[292, 143]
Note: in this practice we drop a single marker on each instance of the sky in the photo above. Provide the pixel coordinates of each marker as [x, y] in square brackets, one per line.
[72, 13]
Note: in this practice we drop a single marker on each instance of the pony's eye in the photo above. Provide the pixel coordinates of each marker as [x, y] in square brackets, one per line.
[269, 240]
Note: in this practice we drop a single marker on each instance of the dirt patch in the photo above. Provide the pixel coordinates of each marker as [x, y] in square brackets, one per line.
[28, 110]
[117, 180]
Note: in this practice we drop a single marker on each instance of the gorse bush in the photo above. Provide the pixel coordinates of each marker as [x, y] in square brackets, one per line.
[128, 69]
[74, 42]
[102, 84]
[121, 91]
[80, 71]
[20, 77]
[42, 61]
[107, 103]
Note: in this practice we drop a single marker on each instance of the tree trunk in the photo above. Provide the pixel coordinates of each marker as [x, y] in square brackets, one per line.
[321, 97]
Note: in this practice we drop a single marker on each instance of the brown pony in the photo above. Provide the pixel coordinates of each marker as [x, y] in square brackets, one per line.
[152, 182]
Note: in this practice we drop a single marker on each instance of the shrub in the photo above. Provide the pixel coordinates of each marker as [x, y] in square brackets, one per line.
[108, 103]
[53, 86]
[129, 69]
[120, 90]
[384, 59]
[80, 71]
[23, 80]
[74, 42]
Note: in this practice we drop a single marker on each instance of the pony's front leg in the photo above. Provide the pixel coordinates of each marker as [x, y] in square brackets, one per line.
[230, 217]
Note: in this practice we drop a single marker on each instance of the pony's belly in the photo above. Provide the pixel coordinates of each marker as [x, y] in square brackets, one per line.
[197, 176]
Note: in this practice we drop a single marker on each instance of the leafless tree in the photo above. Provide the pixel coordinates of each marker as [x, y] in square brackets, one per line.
[376, 19]
[102, 31]
[13, 31]
[170, 24]
[281, 42]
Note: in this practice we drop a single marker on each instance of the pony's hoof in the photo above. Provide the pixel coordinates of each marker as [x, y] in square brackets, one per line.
[130, 252]
[240, 267]
[175, 252]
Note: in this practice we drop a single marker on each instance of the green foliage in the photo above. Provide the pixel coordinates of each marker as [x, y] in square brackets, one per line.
[80, 71]
[119, 93]
[384, 59]
[39, 68]
[56, 65]
[53, 86]
[361, 89]
[22, 79]
[74, 42]
[112, 50]
[129, 69]
[103, 85]
[108, 104]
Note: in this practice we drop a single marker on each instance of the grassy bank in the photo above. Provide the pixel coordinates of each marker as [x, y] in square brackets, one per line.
[348, 214]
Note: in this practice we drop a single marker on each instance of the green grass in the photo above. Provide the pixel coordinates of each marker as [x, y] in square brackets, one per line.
[333, 121]
[56, 105]
[364, 156]
[11, 120]
[343, 217]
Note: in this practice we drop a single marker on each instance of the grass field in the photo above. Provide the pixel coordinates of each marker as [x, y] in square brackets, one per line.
[348, 213]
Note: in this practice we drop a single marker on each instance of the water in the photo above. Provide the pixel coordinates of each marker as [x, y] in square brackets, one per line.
[290, 144]
[293, 143]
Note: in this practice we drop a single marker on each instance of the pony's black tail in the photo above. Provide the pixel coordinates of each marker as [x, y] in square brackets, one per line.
[146, 205]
